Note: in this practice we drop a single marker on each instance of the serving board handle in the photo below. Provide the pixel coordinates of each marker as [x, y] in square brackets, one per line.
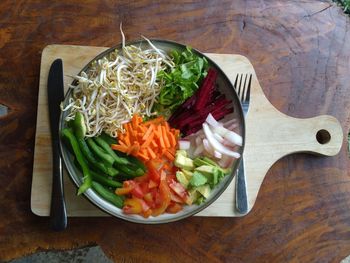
[273, 135]
[319, 135]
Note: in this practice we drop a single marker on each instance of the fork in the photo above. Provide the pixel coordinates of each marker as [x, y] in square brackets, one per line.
[242, 86]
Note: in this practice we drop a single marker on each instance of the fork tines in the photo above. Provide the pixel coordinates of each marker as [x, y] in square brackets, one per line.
[242, 86]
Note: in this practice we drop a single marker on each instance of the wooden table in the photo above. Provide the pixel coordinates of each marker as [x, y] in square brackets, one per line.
[300, 51]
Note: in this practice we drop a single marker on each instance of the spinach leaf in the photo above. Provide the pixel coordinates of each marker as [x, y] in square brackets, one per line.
[182, 81]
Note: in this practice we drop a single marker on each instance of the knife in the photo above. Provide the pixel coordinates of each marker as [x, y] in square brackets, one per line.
[58, 214]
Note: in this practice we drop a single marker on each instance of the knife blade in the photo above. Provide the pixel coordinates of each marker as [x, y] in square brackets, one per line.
[55, 92]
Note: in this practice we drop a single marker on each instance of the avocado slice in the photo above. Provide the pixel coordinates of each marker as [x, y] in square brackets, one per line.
[193, 195]
[180, 176]
[181, 152]
[198, 179]
[204, 190]
[199, 161]
[183, 162]
[188, 174]
[205, 169]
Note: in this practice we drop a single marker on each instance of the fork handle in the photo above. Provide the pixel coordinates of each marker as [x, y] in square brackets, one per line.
[241, 190]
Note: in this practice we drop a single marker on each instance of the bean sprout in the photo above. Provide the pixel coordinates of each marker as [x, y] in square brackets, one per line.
[117, 86]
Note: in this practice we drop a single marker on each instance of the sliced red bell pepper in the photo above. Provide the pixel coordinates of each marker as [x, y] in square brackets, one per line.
[135, 205]
[152, 184]
[174, 208]
[128, 186]
[153, 172]
[132, 206]
[180, 191]
[164, 196]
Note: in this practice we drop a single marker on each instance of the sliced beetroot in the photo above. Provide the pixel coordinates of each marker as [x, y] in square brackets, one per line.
[189, 102]
[218, 115]
[190, 116]
[193, 130]
[185, 106]
[182, 116]
[206, 91]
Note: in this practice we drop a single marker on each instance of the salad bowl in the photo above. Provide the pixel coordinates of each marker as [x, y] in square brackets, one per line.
[224, 86]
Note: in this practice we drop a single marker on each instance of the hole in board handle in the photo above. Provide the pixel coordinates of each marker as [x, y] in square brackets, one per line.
[323, 136]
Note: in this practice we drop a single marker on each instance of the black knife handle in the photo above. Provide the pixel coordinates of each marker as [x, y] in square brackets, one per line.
[58, 213]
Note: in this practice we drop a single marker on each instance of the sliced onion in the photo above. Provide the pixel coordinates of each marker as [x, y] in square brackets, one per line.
[229, 122]
[229, 135]
[217, 145]
[226, 133]
[198, 140]
[208, 147]
[219, 138]
[184, 145]
[198, 150]
[225, 161]
[217, 154]
[232, 126]
[211, 121]
[228, 143]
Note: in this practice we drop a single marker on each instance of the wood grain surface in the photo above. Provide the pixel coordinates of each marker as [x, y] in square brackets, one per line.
[300, 50]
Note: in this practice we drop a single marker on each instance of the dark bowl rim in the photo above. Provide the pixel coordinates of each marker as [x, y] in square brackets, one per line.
[235, 166]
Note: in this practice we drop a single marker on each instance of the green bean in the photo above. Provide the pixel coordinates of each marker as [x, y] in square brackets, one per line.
[108, 139]
[80, 158]
[105, 146]
[109, 196]
[104, 180]
[100, 152]
[129, 172]
[136, 162]
[111, 171]
[92, 160]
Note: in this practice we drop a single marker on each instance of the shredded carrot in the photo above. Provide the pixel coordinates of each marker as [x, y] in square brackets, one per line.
[157, 120]
[134, 149]
[160, 137]
[144, 151]
[143, 157]
[150, 140]
[151, 153]
[120, 148]
[141, 129]
[172, 139]
[165, 137]
[126, 139]
[135, 122]
[169, 155]
[176, 133]
[148, 132]
[121, 143]
[166, 124]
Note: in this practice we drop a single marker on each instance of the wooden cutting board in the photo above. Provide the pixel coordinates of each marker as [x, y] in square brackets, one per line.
[270, 135]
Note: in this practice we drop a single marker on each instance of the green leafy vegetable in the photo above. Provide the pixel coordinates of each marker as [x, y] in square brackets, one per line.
[182, 81]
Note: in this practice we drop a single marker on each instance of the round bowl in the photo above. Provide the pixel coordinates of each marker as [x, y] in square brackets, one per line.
[224, 85]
